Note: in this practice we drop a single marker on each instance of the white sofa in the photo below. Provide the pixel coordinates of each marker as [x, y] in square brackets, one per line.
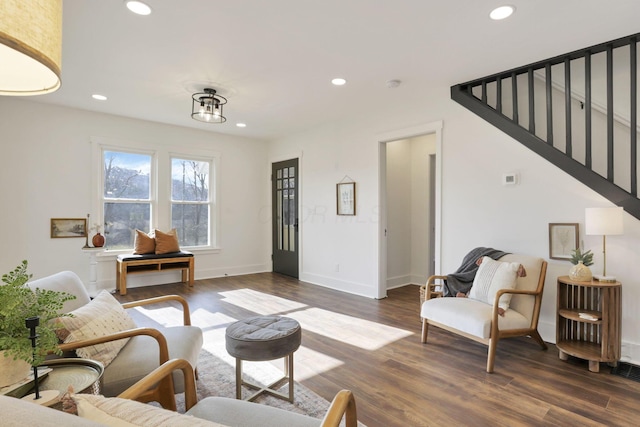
[210, 412]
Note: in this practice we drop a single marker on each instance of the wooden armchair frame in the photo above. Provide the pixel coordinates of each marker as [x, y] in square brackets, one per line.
[343, 403]
[496, 333]
[162, 391]
[429, 288]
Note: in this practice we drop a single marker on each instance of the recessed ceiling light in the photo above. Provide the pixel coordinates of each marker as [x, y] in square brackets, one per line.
[338, 81]
[138, 7]
[99, 97]
[502, 12]
[241, 125]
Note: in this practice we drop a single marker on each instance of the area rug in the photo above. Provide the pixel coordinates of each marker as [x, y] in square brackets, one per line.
[216, 377]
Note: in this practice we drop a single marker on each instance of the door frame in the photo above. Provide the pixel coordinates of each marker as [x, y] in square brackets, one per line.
[275, 159]
[383, 139]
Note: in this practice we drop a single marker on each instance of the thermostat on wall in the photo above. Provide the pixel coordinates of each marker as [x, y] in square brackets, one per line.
[510, 179]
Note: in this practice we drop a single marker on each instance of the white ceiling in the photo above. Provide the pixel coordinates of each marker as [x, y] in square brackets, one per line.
[274, 60]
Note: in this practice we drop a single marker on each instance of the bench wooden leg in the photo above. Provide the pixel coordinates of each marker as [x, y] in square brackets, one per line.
[121, 277]
[191, 271]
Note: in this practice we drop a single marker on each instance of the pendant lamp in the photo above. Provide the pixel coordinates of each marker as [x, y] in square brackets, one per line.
[30, 46]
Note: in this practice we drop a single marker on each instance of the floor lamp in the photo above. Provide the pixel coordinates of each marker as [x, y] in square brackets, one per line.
[603, 222]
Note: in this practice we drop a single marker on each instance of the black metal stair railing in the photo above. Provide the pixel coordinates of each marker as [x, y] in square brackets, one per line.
[579, 111]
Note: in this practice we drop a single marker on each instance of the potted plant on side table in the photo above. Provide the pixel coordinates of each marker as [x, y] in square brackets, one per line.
[581, 262]
[18, 302]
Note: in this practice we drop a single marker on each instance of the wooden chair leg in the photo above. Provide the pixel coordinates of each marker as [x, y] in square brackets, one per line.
[491, 355]
[536, 336]
[425, 330]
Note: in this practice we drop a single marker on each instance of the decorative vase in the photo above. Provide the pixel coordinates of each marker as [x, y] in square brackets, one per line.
[12, 371]
[580, 272]
[98, 240]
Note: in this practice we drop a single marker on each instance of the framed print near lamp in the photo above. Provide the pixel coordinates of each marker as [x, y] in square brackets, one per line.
[604, 222]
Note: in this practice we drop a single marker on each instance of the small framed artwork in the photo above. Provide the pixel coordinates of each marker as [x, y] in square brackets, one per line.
[68, 227]
[563, 238]
[346, 198]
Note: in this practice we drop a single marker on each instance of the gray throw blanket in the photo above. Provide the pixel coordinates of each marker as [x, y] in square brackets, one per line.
[462, 279]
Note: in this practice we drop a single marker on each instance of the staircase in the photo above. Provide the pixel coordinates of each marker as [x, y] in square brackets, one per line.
[579, 111]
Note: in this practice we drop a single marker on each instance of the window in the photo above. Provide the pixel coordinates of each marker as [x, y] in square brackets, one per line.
[151, 188]
[127, 202]
[190, 206]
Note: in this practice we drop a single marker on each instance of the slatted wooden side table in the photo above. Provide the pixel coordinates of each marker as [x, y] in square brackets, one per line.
[588, 322]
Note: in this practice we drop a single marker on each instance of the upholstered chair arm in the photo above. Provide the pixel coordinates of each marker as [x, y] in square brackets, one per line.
[164, 371]
[186, 313]
[343, 404]
[515, 291]
[494, 314]
[154, 333]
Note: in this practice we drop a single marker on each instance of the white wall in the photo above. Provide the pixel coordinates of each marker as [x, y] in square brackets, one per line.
[477, 210]
[46, 173]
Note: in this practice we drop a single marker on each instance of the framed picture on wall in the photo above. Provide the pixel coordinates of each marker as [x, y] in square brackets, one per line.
[563, 239]
[346, 198]
[68, 227]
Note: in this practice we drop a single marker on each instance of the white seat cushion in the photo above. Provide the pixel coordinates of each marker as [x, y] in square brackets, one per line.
[184, 342]
[469, 315]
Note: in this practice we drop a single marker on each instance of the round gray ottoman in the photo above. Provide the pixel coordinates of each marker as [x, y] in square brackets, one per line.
[263, 338]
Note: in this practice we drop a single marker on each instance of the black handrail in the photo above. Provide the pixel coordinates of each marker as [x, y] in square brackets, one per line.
[484, 97]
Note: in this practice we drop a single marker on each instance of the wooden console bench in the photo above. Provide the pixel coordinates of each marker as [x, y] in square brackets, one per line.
[130, 264]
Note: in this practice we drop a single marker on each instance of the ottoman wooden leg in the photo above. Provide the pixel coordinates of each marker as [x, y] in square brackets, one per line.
[238, 378]
[288, 372]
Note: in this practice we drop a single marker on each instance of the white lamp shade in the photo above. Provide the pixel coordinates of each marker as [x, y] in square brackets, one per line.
[30, 46]
[603, 221]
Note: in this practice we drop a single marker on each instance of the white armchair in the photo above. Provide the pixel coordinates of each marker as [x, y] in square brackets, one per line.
[146, 349]
[479, 320]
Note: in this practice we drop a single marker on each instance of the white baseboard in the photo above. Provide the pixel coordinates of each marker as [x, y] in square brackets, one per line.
[398, 281]
[404, 280]
[160, 278]
[340, 285]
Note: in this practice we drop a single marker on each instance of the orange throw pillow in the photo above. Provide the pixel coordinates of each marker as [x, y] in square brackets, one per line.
[167, 243]
[144, 244]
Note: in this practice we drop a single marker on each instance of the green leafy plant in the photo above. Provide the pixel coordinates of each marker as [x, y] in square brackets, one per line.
[586, 257]
[19, 302]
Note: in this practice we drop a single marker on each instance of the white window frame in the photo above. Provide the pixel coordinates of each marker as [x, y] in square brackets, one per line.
[212, 194]
[160, 185]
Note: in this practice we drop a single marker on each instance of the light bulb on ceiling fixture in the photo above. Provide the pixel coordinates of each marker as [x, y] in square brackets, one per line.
[502, 12]
[138, 7]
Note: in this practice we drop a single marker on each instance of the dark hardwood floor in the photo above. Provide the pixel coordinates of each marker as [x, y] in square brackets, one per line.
[373, 348]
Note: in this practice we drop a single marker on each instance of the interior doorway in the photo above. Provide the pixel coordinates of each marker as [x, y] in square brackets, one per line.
[410, 194]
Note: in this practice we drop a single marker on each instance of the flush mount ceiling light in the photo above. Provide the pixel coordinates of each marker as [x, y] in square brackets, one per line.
[138, 7]
[502, 12]
[99, 97]
[30, 46]
[207, 106]
[338, 81]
